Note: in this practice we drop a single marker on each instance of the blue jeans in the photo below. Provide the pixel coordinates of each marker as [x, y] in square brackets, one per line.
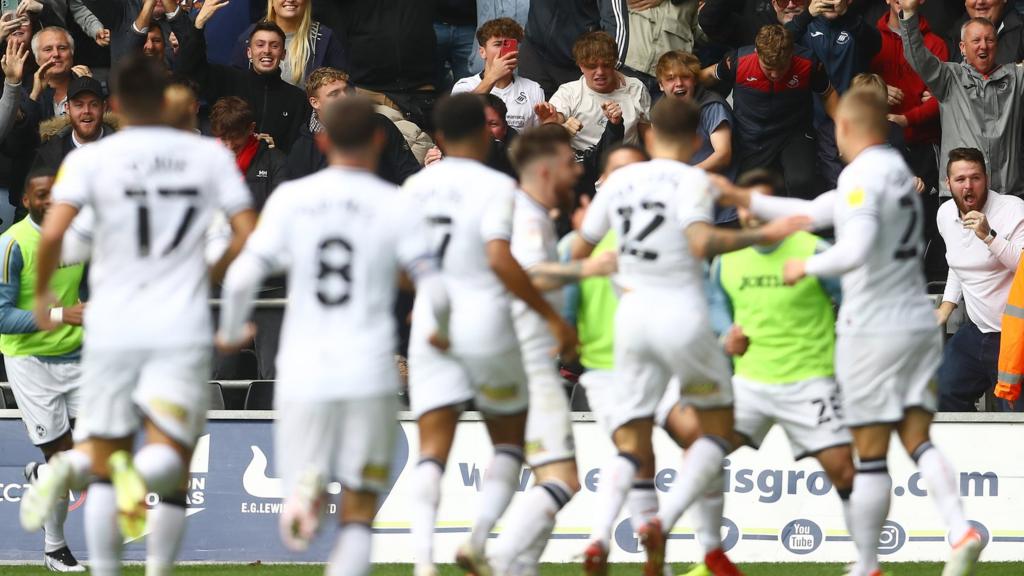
[970, 363]
[454, 54]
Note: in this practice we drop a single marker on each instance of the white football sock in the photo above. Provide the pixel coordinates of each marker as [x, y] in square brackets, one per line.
[613, 484]
[166, 523]
[351, 555]
[424, 504]
[53, 526]
[944, 488]
[102, 536]
[701, 465]
[499, 487]
[710, 508]
[844, 499]
[642, 503]
[161, 468]
[869, 504]
[532, 518]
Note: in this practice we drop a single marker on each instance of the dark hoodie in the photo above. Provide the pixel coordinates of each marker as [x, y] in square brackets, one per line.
[396, 160]
[278, 107]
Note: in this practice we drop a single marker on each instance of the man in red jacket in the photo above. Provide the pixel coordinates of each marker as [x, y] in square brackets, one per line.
[919, 116]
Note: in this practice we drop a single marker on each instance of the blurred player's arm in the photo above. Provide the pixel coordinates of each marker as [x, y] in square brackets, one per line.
[242, 225]
[58, 220]
[718, 300]
[593, 229]
[13, 320]
[554, 275]
[821, 210]
[851, 251]
[705, 240]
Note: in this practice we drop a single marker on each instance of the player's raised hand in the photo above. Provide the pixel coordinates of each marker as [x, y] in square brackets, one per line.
[440, 341]
[780, 228]
[210, 7]
[729, 194]
[227, 346]
[604, 264]
[793, 271]
[568, 346]
[41, 312]
[736, 342]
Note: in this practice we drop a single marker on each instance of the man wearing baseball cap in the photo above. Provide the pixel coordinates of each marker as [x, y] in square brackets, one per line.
[86, 107]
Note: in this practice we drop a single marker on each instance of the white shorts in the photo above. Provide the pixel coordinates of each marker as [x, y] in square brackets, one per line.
[47, 395]
[882, 376]
[808, 411]
[549, 421]
[168, 387]
[658, 337]
[436, 380]
[349, 441]
[604, 399]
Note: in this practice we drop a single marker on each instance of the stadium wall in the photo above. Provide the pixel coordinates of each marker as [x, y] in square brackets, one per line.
[776, 510]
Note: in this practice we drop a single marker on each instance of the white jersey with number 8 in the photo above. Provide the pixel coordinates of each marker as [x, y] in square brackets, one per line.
[154, 191]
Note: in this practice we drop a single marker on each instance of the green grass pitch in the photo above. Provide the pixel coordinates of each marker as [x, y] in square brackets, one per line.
[893, 569]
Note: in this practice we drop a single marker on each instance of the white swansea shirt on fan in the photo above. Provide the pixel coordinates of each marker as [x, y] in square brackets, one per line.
[519, 97]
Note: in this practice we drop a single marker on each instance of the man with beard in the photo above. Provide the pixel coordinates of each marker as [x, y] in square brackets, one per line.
[984, 236]
[86, 106]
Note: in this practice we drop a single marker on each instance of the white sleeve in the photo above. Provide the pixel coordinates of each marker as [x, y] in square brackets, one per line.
[849, 252]
[73, 182]
[1009, 243]
[596, 223]
[238, 294]
[643, 105]
[496, 223]
[953, 291]
[695, 201]
[412, 243]
[528, 242]
[269, 241]
[463, 85]
[821, 210]
[232, 194]
[77, 245]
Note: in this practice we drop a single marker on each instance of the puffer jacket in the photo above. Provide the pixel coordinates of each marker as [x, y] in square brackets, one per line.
[976, 111]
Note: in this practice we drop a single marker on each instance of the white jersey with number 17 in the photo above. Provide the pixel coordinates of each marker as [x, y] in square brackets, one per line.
[466, 205]
[153, 191]
[650, 205]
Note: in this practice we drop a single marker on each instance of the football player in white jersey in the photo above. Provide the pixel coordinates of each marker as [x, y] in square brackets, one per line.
[468, 208]
[888, 346]
[548, 170]
[662, 210]
[146, 356]
[344, 236]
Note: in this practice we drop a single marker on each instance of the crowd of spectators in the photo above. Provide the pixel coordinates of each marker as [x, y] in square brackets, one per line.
[766, 75]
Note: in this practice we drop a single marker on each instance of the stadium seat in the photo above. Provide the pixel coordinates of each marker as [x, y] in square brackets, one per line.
[578, 399]
[216, 396]
[7, 398]
[3, 400]
[260, 395]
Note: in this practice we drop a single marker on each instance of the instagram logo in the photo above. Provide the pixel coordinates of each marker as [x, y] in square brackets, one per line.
[892, 538]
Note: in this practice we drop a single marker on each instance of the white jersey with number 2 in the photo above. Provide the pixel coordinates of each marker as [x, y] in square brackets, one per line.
[466, 205]
[153, 191]
[876, 212]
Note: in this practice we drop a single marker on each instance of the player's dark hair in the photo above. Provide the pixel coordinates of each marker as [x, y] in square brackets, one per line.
[607, 154]
[268, 26]
[498, 104]
[763, 177]
[138, 82]
[350, 123]
[966, 155]
[459, 116]
[675, 120]
[535, 143]
[230, 116]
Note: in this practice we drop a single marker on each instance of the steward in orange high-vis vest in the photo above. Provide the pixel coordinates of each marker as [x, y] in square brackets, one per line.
[1011, 347]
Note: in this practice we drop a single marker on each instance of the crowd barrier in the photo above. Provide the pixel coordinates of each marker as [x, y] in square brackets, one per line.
[776, 510]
